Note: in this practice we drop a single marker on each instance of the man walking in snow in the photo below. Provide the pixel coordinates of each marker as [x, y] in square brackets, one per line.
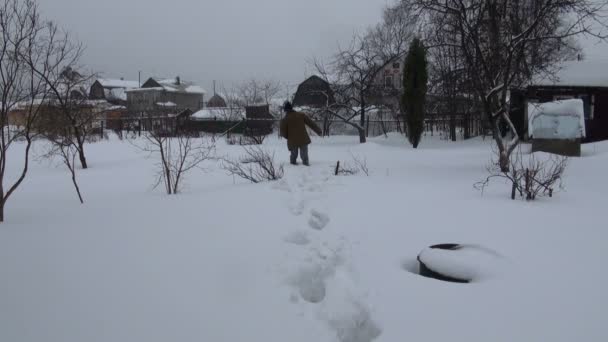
[293, 128]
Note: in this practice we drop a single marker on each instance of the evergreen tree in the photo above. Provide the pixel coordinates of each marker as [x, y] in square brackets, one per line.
[414, 90]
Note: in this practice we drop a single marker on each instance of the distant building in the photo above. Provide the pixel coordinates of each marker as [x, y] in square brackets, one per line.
[314, 92]
[112, 90]
[216, 101]
[388, 85]
[158, 96]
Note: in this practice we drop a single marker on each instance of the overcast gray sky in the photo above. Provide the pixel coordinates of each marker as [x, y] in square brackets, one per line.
[224, 40]
[203, 40]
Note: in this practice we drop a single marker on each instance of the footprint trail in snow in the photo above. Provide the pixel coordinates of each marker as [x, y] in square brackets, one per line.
[317, 272]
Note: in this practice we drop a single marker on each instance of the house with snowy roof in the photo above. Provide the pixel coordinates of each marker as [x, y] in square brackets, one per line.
[586, 80]
[165, 96]
[112, 90]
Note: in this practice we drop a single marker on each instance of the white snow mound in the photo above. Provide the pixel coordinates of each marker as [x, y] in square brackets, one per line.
[466, 263]
[564, 119]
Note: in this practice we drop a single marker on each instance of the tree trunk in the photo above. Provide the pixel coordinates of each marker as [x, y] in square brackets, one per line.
[362, 138]
[2, 210]
[503, 161]
[76, 186]
[83, 159]
[362, 112]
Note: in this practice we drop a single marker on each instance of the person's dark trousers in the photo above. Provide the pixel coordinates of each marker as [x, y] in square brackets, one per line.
[303, 154]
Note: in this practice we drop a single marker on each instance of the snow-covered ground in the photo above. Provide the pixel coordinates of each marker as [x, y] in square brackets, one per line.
[312, 257]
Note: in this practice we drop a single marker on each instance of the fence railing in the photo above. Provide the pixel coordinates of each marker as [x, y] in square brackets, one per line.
[447, 126]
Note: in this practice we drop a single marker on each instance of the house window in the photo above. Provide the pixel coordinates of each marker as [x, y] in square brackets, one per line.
[396, 65]
[388, 82]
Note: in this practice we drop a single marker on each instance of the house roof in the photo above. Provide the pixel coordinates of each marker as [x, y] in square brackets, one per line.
[173, 85]
[586, 73]
[216, 101]
[114, 83]
[116, 94]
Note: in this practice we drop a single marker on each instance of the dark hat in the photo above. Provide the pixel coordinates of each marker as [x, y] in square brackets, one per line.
[287, 107]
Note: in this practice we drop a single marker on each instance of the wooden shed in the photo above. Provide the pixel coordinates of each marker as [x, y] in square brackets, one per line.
[585, 80]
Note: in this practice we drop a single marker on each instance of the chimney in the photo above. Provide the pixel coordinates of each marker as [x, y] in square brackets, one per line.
[178, 81]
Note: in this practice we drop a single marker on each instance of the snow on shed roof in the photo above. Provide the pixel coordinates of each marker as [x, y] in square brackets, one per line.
[113, 83]
[586, 73]
[219, 113]
[166, 104]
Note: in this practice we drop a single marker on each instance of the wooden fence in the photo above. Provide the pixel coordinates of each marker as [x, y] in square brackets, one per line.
[447, 126]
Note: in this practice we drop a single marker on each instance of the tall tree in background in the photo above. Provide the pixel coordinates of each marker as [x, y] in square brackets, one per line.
[415, 79]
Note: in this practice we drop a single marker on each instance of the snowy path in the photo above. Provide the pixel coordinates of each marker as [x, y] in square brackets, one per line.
[321, 272]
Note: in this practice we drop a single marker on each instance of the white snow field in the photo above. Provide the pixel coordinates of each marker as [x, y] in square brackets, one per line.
[312, 257]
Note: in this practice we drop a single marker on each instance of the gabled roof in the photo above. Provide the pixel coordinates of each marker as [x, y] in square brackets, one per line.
[174, 86]
[586, 73]
[216, 101]
[113, 83]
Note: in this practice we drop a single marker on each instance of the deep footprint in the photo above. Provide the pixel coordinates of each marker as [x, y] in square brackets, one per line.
[297, 207]
[356, 327]
[318, 220]
[297, 238]
[312, 290]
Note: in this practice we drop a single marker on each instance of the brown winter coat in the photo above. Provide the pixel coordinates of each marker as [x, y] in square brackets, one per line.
[293, 128]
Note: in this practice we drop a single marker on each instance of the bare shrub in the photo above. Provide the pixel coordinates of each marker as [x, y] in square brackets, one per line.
[355, 166]
[252, 139]
[257, 165]
[361, 164]
[232, 140]
[177, 156]
[530, 176]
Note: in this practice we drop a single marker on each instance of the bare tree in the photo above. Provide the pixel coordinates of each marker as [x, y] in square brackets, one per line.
[68, 95]
[256, 91]
[354, 71]
[503, 43]
[177, 156]
[30, 48]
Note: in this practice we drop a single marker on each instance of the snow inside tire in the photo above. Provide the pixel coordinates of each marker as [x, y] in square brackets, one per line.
[456, 263]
